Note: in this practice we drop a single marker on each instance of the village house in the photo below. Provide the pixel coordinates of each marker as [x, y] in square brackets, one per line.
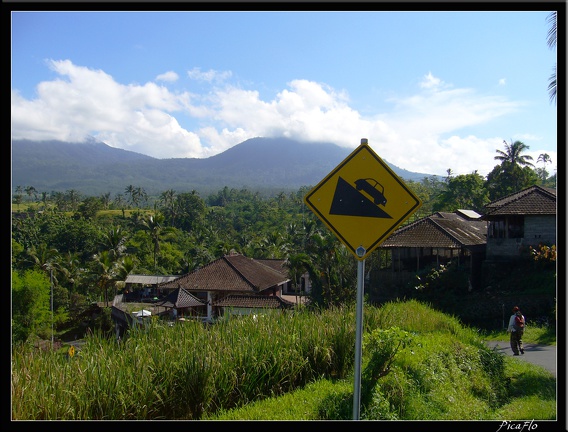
[518, 221]
[436, 240]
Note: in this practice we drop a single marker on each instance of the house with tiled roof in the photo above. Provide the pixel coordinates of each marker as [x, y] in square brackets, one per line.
[520, 220]
[304, 285]
[438, 239]
[234, 284]
[181, 303]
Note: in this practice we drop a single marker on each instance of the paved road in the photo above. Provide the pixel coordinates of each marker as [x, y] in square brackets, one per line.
[542, 355]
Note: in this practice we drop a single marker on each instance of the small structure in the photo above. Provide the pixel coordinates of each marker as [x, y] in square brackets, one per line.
[234, 282]
[182, 304]
[436, 240]
[520, 220]
[140, 287]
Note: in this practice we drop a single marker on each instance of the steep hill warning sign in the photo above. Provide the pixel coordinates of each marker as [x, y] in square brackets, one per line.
[362, 201]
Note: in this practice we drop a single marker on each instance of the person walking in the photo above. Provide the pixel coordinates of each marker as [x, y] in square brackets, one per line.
[516, 329]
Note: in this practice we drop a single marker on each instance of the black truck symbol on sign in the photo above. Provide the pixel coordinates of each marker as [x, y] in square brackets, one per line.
[373, 188]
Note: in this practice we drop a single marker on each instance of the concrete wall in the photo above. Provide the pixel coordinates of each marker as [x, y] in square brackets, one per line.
[537, 229]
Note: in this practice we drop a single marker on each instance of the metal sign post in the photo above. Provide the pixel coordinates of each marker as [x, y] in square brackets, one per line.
[358, 340]
[362, 201]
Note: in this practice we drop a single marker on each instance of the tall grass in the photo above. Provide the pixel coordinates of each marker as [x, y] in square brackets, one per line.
[183, 371]
[195, 371]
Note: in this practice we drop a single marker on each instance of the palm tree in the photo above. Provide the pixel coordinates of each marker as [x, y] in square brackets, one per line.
[551, 42]
[44, 199]
[44, 258]
[141, 195]
[168, 199]
[123, 268]
[154, 226]
[120, 203]
[73, 197]
[514, 172]
[297, 265]
[512, 155]
[544, 158]
[30, 190]
[131, 191]
[114, 241]
[18, 196]
[105, 200]
[104, 272]
[73, 269]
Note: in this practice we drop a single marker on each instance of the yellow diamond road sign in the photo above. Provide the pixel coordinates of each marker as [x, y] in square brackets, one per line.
[362, 201]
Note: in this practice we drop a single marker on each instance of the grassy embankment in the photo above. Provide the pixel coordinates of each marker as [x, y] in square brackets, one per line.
[418, 364]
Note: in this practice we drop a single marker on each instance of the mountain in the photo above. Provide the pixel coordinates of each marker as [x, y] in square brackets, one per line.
[265, 165]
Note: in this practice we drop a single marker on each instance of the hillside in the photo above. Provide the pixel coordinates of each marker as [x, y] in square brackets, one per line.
[266, 165]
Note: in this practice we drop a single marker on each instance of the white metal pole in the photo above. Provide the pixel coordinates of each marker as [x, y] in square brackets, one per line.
[358, 341]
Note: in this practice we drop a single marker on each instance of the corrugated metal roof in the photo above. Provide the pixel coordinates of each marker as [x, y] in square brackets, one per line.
[149, 279]
[471, 214]
[440, 230]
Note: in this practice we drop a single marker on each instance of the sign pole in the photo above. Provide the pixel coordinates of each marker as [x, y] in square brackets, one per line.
[358, 340]
[362, 201]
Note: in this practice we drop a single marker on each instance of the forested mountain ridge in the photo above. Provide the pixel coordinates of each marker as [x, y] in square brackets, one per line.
[267, 165]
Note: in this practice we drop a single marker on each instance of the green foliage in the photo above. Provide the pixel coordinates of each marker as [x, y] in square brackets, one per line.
[506, 179]
[30, 305]
[190, 211]
[381, 346]
[89, 207]
[437, 279]
[87, 257]
[462, 192]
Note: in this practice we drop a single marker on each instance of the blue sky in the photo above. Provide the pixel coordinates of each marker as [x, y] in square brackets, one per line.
[430, 90]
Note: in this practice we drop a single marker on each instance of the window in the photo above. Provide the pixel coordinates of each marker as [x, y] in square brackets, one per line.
[497, 229]
[516, 226]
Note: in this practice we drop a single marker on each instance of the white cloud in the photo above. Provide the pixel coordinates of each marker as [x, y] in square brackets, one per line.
[420, 133]
[169, 76]
[430, 81]
[209, 76]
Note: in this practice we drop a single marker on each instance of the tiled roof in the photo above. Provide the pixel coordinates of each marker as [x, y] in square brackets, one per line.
[535, 200]
[253, 301]
[440, 230]
[275, 264]
[180, 298]
[235, 273]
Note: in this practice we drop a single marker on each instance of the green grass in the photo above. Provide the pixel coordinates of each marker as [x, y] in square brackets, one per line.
[428, 382]
[418, 364]
[545, 335]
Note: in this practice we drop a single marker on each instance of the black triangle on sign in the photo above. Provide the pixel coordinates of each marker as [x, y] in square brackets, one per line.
[348, 201]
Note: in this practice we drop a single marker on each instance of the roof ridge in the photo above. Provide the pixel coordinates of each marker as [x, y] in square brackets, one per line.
[515, 196]
[267, 266]
[242, 276]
